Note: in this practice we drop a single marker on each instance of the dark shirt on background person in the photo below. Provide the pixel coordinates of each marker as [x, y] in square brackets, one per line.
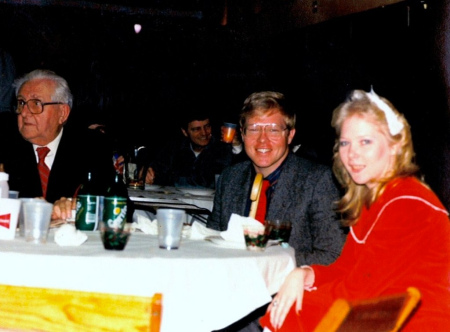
[8, 120]
[192, 160]
[44, 103]
[7, 76]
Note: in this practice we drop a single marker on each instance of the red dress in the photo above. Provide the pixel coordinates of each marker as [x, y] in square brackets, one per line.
[402, 240]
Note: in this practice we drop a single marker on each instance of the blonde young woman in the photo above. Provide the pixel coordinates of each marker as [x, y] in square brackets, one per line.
[399, 230]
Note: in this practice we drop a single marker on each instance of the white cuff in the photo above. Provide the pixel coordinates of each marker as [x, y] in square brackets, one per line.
[236, 149]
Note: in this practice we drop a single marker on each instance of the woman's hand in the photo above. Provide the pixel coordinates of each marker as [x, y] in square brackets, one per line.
[290, 292]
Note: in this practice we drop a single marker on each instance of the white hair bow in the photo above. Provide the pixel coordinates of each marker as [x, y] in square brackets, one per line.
[394, 124]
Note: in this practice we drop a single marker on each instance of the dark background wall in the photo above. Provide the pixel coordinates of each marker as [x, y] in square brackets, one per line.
[182, 61]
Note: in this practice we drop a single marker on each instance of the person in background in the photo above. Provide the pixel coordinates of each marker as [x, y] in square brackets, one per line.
[8, 124]
[44, 103]
[7, 76]
[114, 145]
[299, 190]
[400, 231]
[193, 160]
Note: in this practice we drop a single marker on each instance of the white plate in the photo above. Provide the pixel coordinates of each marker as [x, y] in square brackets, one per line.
[197, 191]
[218, 240]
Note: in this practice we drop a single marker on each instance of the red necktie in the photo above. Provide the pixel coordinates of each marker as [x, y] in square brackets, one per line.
[262, 204]
[44, 171]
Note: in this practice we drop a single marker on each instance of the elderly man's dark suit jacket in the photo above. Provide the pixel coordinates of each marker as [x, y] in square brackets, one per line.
[305, 194]
[79, 151]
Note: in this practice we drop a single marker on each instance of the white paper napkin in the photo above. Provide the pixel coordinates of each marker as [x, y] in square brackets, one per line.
[68, 235]
[235, 232]
[199, 231]
[145, 224]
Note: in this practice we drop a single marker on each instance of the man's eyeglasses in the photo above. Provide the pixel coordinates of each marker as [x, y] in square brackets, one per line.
[35, 106]
[272, 130]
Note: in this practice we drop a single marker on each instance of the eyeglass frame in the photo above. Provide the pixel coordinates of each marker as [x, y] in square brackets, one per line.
[262, 128]
[16, 110]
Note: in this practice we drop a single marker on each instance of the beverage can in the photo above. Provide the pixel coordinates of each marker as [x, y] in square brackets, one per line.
[115, 212]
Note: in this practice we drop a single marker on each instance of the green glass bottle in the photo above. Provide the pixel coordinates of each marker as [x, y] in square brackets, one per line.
[88, 205]
[115, 209]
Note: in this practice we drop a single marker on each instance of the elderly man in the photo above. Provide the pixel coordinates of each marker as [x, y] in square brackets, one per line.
[50, 160]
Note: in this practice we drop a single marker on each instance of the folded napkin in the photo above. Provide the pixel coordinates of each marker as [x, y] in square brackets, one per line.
[235, 231]
[68, 235]
[199, 231]
[144, 223]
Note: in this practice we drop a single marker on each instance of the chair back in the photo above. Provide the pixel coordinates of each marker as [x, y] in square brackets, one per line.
[255, 194]
[54, 310]
[380, 314]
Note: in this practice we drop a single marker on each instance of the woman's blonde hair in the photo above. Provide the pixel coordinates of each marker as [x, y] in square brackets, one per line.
[394, 126]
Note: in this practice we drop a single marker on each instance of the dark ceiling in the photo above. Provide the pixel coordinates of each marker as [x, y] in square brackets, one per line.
[209, 50]
[276, 15]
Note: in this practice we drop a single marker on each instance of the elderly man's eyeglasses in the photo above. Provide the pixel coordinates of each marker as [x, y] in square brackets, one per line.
[35, 106]
[272, 130]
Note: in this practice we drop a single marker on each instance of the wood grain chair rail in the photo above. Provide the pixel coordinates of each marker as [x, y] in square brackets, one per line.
[380, 314]
[57, 310]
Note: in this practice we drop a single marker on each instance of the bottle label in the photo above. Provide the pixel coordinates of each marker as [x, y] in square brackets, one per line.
[115, 212]
[87, 212]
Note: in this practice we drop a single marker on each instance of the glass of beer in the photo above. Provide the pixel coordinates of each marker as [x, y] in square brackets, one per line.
[279, 230]
[228, 132]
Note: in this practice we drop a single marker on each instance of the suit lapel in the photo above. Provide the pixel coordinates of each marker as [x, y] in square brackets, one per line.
[290, 180]
[239, 199]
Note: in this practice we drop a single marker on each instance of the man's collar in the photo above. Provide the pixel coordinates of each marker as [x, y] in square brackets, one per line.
[53, 145]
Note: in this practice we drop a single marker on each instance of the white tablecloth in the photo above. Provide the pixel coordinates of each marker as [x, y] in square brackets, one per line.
[205, 287]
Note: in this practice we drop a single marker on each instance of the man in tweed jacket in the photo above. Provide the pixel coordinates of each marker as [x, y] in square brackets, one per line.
[300, 190]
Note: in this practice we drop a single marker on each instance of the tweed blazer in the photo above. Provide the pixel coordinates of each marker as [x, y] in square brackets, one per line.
[305, 194]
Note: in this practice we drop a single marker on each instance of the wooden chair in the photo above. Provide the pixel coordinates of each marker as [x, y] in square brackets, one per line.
[54, 310]
[381, 314]
[255, 194]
